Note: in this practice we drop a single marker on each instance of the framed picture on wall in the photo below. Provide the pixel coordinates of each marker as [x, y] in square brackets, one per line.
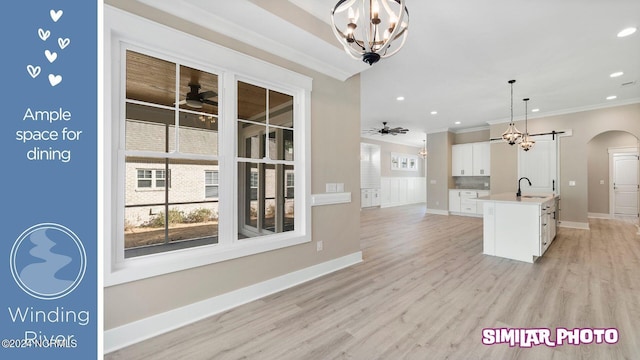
[404, 162]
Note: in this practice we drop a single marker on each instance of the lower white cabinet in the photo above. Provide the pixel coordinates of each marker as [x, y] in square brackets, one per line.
[464, 202]
[369, 197]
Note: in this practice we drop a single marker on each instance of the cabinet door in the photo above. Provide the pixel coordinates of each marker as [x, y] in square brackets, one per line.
[365, 198]
[539, 165]
[454, 201]
[462, 160]
[481, 159]
[375, 197]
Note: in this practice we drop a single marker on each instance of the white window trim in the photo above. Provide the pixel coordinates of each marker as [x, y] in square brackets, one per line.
[122, 27]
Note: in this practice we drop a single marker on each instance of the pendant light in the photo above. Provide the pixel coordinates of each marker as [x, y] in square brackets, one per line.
[526, 143]
[423, 152]
[512, 135]
[366, 30]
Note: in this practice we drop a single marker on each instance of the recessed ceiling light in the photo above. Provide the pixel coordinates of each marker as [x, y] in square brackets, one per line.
[400, 98]
[457, 123]
[611, 97]
[616, 74]
[626, 32]
[434, 112]
[535, 110]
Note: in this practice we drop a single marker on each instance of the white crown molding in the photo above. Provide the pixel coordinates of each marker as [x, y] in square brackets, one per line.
[319, 56]
[569, 111]
[435, 131]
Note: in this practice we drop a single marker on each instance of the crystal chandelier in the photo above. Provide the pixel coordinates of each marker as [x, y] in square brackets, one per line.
[423, 152]
[512, 135]
[526, 143]
[370, 36]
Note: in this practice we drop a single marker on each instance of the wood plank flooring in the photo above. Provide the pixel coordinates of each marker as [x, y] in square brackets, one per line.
[426, 291]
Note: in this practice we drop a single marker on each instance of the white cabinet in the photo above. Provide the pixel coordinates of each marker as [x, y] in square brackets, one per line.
[481, 159]
[465, 202]
[462, 160]
[369, 197]
[473, 159]
[518, 228]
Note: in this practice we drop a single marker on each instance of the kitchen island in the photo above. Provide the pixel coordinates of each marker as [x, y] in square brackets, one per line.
[519, 228]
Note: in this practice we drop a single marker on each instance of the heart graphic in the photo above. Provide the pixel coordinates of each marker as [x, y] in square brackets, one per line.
[51, 56]
[63, 43]
[55, 15]
[55, 79]
[44, 34]
[34, 71]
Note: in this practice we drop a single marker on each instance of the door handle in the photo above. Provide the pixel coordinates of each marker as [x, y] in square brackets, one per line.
[553, 182]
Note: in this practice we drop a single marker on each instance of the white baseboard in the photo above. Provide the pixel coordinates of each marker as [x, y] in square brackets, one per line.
[143, 329]
[574, 225]
[599, 216]
[387, 205]
[437, 212]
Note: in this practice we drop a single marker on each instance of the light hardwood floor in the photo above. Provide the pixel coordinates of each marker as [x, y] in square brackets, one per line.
[425, 291]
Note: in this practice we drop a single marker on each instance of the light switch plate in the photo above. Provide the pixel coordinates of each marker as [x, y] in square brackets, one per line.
[433, 181]
[572, 183]
[601, 182]
[340, 187]
[331, 187]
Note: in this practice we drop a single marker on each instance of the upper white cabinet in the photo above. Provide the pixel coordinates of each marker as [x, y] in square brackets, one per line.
[540, 166]
[472, 159]
[481, 159]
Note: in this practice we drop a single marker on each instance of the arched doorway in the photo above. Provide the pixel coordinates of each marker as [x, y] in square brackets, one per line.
[613, 155]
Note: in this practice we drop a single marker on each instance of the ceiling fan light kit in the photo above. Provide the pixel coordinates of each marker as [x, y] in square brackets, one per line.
[512, 135]
[196, 99]
[370, 36]
[386, 130]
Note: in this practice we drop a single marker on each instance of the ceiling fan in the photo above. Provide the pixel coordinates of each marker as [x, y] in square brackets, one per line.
[196, 99]
[386, 130]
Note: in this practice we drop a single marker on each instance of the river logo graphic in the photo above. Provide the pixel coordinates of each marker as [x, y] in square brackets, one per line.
[48, 261]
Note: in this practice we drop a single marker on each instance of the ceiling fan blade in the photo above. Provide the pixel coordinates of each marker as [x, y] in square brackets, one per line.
[182, 102]
[210, 102]
[208, 94]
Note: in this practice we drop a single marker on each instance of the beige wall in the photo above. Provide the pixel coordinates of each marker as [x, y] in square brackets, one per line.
[386, 148]
[471, 137]
[598, 166]
[439, 170]
[335, 129]
[573, 152]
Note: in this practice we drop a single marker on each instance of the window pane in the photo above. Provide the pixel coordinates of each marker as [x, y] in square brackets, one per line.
[211, 191]
[198, 90]
[149, 128]
[280, 109]
[150, 79]
[198, 134]
[252, 102]
[250, 140]
[263, 208]
[187, 219]
[281, 144]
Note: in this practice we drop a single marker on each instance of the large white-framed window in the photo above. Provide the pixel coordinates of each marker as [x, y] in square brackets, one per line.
[154, 79]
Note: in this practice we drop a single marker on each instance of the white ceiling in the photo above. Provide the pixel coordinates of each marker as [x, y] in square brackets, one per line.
[458, 57]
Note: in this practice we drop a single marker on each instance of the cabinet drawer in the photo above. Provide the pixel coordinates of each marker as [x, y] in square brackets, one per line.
[469, 194]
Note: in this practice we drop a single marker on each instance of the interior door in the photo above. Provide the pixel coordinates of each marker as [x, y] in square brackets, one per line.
[539, 165]
[625, 184]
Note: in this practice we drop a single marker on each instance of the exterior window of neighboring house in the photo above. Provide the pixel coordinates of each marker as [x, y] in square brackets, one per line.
[168, 112]
[151, 178]
[211, 184]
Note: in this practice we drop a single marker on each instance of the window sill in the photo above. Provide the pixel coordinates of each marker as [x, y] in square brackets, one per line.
[164, 263]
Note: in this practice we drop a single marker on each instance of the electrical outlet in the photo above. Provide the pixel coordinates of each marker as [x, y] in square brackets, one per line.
[319, 246]
[340, 187]
[432, 182]
[331, 187]
[601, 182]
[437, 202]
[572, 183]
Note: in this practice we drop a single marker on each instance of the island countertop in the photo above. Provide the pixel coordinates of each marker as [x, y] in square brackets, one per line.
[534, 199]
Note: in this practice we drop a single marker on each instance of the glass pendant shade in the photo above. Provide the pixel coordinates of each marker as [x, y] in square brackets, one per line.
[367, 28]
[512, 136]
[423, 152]
[526, 143]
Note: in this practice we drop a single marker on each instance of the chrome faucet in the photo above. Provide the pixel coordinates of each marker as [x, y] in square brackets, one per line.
[519, 193]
